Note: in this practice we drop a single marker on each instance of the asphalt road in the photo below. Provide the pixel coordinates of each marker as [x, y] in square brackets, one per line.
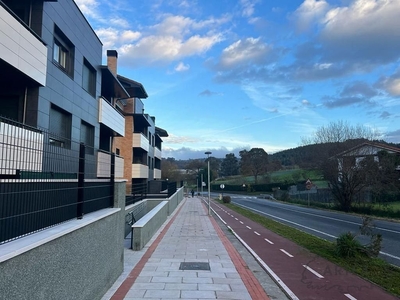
[323, 223]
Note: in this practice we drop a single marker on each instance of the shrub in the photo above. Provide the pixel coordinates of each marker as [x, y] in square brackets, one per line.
[347, 245]
[226, 199]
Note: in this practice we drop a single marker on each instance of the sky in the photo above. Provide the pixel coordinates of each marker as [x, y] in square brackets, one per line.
[229, 75]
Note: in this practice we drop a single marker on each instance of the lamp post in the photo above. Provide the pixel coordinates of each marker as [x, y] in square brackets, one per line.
[208, 170]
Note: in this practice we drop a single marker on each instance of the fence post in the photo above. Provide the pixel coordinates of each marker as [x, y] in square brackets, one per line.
[112, 178]
[81, 181]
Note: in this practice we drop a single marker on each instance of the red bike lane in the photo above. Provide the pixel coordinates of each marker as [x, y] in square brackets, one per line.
[304, 274]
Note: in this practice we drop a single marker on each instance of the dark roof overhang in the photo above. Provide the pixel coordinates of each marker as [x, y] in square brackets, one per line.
[161, 132]
[141, 120]
[134, 88]
[110, 85]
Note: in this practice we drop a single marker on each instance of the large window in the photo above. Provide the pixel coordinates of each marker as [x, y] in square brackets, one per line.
[60, 127]
[89, 78]
[87, 137]
[63, 52]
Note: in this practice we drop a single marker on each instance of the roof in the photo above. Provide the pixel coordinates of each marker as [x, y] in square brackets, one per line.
[371, 145]
[161, 132]
[111, 86]
[134, 88]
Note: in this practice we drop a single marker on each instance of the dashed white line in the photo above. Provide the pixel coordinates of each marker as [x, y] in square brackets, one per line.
[256, 233]
[287, 253]
[248, 227]
[267, 240]
[241, 222]
[313, 271]
[232, 216]
[236, 219]
[309, 228]
[350, 297]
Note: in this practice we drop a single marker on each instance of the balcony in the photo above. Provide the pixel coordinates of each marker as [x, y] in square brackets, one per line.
[157, 153]
[140, 141]
[157, 174]
[22, 147]
[21, 48]
[140, 171]
[110, 117]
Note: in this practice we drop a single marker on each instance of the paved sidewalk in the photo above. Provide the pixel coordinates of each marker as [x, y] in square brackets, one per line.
[189, 236]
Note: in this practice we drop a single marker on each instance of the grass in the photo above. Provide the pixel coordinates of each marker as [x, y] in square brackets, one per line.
[373, 269]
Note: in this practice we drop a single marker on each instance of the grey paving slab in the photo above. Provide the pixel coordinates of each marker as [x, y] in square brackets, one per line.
[190, 238]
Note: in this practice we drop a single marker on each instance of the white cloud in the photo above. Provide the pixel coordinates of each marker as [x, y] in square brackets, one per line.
[364, 30]
[248, 51]
[248, 7]
[391, 85]
[119, 22]
[181, 67]
[164, 49]
[88, 7]
[309, 12]
[130, 36]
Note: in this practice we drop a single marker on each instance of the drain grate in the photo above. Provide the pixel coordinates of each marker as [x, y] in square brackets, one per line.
[195, 266]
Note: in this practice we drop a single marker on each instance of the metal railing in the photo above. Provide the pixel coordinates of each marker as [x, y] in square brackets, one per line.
[42, 185]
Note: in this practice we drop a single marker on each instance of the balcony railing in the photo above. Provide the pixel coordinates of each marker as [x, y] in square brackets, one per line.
[157, 153]
[104, 165]
[110, 117]
[140, 171]
[140, 141]
[157, 174]
[20, 149]
[21, 48]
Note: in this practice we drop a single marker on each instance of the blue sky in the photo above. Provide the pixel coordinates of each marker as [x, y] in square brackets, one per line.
[228, 75]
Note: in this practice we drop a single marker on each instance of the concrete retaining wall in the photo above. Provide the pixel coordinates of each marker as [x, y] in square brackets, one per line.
[134, 213]
[144, 229]
[79, 259]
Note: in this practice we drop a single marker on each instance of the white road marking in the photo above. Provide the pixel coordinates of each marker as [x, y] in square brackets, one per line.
[267, 240]
[287, 253]
[313, 271]
[350, 297]
[337, 220]
[248, 227]
[276, 278]
[241, 222]
[236, 219]
[306, 227]
[256, 233]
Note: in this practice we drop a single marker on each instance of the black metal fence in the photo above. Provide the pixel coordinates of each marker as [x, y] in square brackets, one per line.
[43, 184]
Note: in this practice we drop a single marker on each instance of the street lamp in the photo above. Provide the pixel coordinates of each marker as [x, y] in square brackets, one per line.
[208, 169]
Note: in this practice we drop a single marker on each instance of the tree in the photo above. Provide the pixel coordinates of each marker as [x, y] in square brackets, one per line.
[253, 162]
[230, 165]
[193, 169]
[347, 179]
[169, 170]
[344, 183]
[340, 131]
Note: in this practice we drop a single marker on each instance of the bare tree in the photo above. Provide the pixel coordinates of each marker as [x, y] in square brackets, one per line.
[347, 179]
[340, 131]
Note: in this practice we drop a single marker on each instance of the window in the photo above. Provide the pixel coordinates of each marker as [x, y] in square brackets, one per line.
[63, 52]
[89, 78]
[87, 137]
[60, 127]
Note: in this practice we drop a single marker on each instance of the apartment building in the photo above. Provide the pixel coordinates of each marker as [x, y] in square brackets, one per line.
[141, 145]
[53, 80]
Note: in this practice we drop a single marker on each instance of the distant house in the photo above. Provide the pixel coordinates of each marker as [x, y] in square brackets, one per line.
[366, 150]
